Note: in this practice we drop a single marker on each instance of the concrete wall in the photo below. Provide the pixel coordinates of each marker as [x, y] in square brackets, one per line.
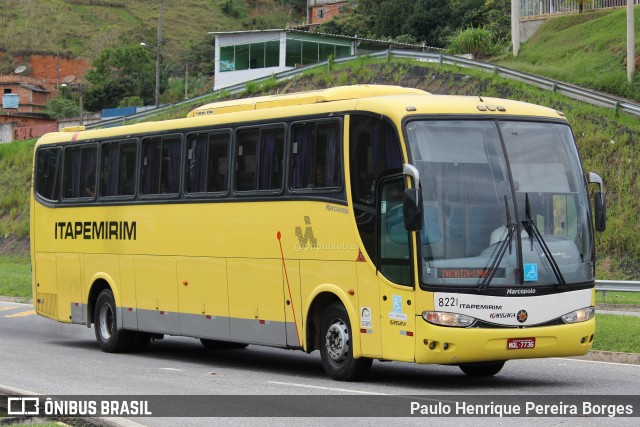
[6, 132]
[529, 28]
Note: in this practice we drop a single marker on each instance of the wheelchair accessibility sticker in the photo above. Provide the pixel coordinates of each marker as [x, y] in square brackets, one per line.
[397, 314]
[530, 272]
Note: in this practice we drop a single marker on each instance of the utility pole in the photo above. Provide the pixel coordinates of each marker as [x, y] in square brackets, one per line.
[631, 42]
[158, 52]
[515, 26]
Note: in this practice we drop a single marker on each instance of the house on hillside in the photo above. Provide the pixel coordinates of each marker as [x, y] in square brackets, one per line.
[23, 102]
[242, 56]
[31, 93]
[321, 11]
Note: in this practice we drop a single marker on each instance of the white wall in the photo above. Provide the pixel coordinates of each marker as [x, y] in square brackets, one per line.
[6, 132]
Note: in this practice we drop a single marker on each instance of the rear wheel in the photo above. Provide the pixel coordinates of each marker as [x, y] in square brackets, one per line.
[482, 369]
[336, 346]
[222, 345]
[109, 337]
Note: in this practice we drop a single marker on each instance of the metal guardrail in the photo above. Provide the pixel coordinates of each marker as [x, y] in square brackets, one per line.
[566, 89]
[617, 286]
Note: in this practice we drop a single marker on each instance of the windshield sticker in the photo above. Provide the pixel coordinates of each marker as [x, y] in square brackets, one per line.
[531, 272]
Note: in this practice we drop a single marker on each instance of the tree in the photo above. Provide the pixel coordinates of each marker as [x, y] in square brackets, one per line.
[118, 73]
[62, 107]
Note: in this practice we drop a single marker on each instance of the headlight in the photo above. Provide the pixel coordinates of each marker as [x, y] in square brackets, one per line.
[581, 315]
[448, 319]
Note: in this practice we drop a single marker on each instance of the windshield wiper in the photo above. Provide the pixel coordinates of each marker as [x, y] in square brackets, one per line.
[531, 228]
[499, 254]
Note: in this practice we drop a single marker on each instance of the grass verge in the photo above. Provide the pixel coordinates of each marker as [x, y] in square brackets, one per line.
[15, 277]
[615, 333]
[618, 298]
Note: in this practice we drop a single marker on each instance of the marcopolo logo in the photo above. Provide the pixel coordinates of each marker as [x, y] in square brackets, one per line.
[306, 239]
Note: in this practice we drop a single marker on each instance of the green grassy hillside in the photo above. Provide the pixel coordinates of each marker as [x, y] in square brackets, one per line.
[587, 49]
[607, 142]
[83, 28]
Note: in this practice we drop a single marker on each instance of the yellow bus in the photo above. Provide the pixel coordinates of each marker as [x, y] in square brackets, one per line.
[366, 222]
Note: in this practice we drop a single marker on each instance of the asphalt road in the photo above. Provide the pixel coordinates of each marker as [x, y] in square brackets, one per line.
[46, 357]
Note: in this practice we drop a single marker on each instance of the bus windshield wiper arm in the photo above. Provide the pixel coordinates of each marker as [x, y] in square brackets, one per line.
[531, 228]
[499, 254]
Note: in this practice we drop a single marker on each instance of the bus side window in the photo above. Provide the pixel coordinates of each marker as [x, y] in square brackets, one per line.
[207, 162]
[161, 162]
[270, 159]
[118, 168]
[79, 172]
[47, 173]
[246, 160]
[259, 155]
[316, 160]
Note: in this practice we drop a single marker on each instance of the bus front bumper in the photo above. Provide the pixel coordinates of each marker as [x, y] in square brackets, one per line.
[449, 345]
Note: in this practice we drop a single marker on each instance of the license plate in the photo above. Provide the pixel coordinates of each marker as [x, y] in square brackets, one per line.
[520, 343]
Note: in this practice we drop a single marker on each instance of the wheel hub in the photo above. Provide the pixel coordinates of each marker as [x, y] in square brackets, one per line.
[337, 341]
[106, 322]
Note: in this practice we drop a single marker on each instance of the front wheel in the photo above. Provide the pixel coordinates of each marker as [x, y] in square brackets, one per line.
[336, 346]
[482, 369]
[109, 337]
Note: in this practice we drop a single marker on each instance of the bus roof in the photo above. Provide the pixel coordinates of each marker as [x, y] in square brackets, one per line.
[340, 93]
[392, 101]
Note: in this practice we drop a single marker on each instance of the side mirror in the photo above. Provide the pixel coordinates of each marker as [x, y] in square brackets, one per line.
[599, 202]
[412, 208]
[600, 211]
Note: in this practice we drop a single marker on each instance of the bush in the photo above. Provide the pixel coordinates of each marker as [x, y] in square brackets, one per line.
[476, 41]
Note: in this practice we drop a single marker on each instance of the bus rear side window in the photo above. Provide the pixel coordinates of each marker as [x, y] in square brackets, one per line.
[79, 175]
[47, 172]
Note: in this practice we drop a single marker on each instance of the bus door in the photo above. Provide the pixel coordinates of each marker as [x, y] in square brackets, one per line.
[397, 302]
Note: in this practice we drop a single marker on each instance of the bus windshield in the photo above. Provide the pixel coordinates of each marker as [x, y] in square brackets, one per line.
[504, 203]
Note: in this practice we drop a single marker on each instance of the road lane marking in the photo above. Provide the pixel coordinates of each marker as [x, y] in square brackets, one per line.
[171, 369]
[8, 308]
[328, 388]
[22, 314]
[602, 362]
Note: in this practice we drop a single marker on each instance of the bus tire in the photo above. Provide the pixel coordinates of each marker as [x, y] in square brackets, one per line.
[222, 345]
[336, 351]
[109, 337]
[482, 369]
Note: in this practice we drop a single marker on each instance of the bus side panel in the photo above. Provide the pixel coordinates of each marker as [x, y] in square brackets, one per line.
[203, 298]
[127, 284]
[293, 300]
[316, 274]
[70, 287]
[157, 294]
[256, 301]
[369, 311]
[46, 284]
